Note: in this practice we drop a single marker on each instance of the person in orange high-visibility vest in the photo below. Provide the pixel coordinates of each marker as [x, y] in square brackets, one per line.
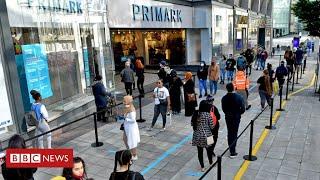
[241, 85]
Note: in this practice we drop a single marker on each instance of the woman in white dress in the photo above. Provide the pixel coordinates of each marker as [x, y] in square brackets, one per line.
[131, 135]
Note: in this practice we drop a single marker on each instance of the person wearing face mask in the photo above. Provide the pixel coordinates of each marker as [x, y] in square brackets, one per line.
[131, 135]
[124, 160]
[202, 76]
[214, 73]
[77, 172]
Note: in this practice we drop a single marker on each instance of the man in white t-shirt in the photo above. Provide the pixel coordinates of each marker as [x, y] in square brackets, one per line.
[161, 103]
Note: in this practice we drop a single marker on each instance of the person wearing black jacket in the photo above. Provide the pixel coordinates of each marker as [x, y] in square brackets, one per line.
[281, 73]
[17, 142]
[232, 106]
[175, 92]
[249, 57]
[100, 93]
[202, 76]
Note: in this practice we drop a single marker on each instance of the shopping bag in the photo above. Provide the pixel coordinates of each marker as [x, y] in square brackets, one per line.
[275, 87]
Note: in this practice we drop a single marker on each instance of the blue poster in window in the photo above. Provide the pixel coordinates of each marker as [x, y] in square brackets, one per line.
[36, 69]
[86, 66]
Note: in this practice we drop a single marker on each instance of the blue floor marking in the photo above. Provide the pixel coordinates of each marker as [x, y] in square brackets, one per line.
[166, 154]
[252, 87]
[194, 173]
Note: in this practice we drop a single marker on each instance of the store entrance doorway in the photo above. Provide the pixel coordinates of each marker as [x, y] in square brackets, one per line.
[262, 37]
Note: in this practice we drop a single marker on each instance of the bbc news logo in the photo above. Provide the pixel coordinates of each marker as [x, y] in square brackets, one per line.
[31, 158]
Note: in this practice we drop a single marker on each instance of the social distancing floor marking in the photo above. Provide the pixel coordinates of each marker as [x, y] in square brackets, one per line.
[265, 132]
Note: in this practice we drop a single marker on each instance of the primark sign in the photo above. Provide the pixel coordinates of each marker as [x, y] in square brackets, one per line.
[156, 13]
[68, 6]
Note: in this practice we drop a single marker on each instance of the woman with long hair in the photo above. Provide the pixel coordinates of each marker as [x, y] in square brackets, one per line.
[77, 172]
[124, 160]
[202, 128]
[140, 75]
[131, 135]
[189, 94]
[265, 88]
[17, 142]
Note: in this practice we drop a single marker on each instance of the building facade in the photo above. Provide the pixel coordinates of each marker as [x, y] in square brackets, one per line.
[58, 47]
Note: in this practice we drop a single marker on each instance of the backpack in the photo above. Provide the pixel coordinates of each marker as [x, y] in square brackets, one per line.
[31, 118]
[213, 116]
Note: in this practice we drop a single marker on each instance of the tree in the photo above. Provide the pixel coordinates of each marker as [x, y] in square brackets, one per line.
[308, 11]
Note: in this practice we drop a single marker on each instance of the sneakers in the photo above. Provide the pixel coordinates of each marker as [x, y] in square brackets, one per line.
[203, 169]
[163, 129]
[249, 106]
[134, 158]
[234, 155]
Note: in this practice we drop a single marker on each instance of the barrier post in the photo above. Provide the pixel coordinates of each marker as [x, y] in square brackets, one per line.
[293, 80]
[250, 157]
[271, 127]
[297, 70]
[140, 110]
[219, 159]
[287, 89]
[301, 71]
[280, 91]
[97, 143]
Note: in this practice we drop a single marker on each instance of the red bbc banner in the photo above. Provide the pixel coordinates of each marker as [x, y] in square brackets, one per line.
[32, 158]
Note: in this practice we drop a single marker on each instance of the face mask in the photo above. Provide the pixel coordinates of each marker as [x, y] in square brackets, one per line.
[127, 105]
[201, 65]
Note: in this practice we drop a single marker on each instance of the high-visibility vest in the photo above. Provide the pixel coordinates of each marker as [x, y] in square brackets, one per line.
[241, 82]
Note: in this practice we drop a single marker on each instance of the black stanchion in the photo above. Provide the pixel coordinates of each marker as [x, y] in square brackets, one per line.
[280, 91]
[219, 159]
[287, 89]
[97, 143]
[140, 109]
[250, 157]
[293, 80]
[271, 115]
[297, 70]
[301, 71]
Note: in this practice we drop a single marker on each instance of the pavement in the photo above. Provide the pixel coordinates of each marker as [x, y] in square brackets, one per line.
[292, 147]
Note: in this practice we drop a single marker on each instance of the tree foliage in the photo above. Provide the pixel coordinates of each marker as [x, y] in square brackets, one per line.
[308, 12]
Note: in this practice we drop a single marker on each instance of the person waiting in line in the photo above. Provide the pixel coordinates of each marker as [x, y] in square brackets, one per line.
[100, 93]
[164, 73]
[42, 116]
[215, 115]
[161, 104]
[281, 73]
[175, 93]
[249, 55]
[127, 77]
[124, 160]
[265, 88]
[77, 172]
[17, 142]
[222, 66]
[271, 73]
[202, 125]
[190, 99]
[131, 135]
[213, 76]
[140, 75]
[202, 74]
[233, 107]
[230, 67]
[288, 55]
[298, 58]
[241, 85]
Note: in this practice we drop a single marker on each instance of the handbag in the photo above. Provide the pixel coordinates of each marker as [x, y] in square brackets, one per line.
[210, 140]
[122, 127]
[213, 116]
[191, 97]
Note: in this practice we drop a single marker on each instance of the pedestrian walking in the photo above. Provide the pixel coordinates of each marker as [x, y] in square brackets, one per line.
[281, 73]
[202, 124]
[100, 98]
[288, 55]
[140, 75]
[164, 73]
[127, 77]
[241, 63]
[175, 93]
[259, 59]
[230, 67]
[202, 77]
[77, 172]
[215, 115]
[190, 99]
[264, 56]
[222, 65]
[42, 116]
[249, 55]
[265, 88]
[233, 107]
[124, 159]
[131, 135]
[213, 76]
[241, 85]
[161, 104]
[16, 142]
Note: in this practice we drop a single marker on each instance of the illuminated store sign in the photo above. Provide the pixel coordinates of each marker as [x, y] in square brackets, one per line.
[154, 13]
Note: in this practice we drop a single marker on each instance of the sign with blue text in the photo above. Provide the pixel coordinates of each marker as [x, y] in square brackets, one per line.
[36, 69]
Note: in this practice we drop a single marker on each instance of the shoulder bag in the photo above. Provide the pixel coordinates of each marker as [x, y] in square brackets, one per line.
[210, 140]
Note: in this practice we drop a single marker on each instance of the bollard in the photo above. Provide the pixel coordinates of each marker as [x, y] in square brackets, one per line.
[97, 143]
[140, 109]
[300, 71]
[280, 91]
[219, 159]
[287, 89]
[293, 74]
[297, 70]
[270, 119]
[250, 157]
